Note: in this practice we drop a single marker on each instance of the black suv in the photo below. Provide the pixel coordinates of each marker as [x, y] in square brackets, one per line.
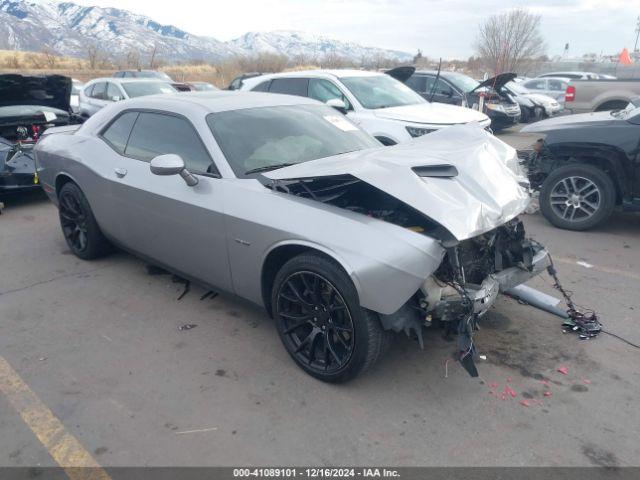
[586, 165]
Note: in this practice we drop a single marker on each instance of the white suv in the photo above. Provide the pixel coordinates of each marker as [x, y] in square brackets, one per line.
[379, 104]
[101, 92]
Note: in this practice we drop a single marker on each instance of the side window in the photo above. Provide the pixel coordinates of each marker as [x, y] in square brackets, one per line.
[324, 90]
[157, 134]
[290, 86]
[557, 85]
[261, 87]
[88, 91]
[99, 91]
[417, 83]
[540, 84]
[443, 88]
[113, 93]
[118, 132]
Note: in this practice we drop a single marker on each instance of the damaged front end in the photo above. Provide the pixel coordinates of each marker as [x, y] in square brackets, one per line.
[17, 166]
[29, 105]
[469, 203]
[467, 284]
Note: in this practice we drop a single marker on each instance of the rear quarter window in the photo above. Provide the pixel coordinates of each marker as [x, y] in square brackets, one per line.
[261, 87]
[117, 134]
[290, 86]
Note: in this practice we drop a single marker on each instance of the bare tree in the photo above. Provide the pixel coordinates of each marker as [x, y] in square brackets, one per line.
[133, 59]
[93, 56]
[508, 41]
[50, 58]
[152, 61]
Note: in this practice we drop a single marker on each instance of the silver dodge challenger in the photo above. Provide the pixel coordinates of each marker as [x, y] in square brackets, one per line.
[283, 201]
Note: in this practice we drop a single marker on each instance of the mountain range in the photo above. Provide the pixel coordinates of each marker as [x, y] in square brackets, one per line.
[70, 29]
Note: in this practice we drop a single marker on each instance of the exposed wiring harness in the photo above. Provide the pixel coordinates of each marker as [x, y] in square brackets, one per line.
[583, 321]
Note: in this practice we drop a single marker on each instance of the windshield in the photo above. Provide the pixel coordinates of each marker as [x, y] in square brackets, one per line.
[519, 89]
[140, 89]
[381, 91]
[462, 81]
[266, 138]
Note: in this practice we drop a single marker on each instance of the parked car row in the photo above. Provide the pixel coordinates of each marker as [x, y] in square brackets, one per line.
[381, 105]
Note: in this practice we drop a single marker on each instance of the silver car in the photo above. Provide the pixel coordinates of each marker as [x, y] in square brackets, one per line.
[100, 92]
[554, 87]
[283, 201]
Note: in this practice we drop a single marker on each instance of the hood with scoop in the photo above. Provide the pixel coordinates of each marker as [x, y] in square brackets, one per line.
[458, 177]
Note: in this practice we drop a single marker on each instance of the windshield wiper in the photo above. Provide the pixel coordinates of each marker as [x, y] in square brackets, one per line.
[266, 168]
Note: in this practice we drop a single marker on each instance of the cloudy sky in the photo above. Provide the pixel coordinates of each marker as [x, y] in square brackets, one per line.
[444, 28]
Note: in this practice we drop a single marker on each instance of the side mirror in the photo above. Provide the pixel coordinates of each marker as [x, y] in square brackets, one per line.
[117, 98]
[338, 104]
[172, 164]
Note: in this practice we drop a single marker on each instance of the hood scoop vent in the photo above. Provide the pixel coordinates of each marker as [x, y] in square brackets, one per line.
[439, 171]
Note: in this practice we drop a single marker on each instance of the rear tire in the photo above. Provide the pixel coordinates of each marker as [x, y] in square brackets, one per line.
[79, 226]
[577, 197]
[613, 105]
[320, 320]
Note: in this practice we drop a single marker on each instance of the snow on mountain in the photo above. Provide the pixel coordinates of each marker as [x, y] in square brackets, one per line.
[70, 29]
[295, 44]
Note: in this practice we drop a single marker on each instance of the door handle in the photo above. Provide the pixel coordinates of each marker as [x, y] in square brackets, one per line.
[120, 172]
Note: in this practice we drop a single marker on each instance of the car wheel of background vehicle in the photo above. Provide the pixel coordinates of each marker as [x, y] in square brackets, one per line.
[320, 321]
[79, 226]
[577, 197]
[612, 105]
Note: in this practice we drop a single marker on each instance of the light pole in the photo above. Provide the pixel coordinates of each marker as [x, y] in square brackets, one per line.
[635, 47]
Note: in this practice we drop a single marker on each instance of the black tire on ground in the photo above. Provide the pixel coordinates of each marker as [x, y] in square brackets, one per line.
[79, 226]
[585, 217]
[294, 309]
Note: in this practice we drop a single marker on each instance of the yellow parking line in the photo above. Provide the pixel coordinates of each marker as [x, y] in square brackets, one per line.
[613, 271]
[65, 449]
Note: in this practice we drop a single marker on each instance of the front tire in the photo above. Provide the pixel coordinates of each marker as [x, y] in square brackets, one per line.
[79, 226]
[577, 197]
[320, 321]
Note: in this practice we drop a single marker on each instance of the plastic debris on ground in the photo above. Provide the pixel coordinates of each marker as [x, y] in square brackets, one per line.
[563, 370]
[187, 326]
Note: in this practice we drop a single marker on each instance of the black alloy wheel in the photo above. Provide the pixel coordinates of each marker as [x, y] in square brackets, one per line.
[316, 322]
[321, 322]
[79, 226]
[73, 220]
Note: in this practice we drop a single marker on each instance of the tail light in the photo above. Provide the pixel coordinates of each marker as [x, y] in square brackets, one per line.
[570, 94]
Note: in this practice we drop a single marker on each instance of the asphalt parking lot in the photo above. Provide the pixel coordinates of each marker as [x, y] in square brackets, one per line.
[97, 346]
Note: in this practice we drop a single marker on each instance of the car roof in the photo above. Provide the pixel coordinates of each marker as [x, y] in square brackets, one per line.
[564, 79]
[128, 80]
[217, 101]
[338, 73]
[563, 73]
